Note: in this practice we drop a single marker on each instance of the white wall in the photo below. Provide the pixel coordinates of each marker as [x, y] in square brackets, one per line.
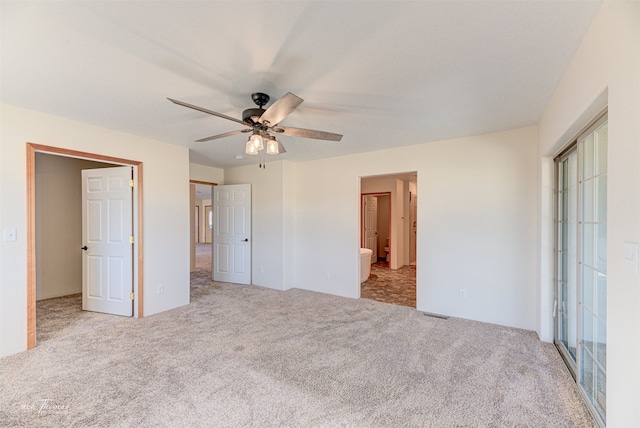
[605, 70]
[205, 173]
[165, 210]
[477, 211]
[267, 222]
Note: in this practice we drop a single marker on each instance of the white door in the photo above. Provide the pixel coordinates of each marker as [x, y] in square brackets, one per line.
[107, 226]
[232, 233]
[370, 210]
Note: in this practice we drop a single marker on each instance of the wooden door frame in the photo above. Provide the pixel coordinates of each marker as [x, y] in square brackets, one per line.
[31, 226]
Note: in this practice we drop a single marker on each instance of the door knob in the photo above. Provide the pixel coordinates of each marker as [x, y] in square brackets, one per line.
[245, 240]
[84, 248]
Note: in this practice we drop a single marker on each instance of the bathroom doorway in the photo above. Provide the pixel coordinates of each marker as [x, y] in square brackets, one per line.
[388, 226]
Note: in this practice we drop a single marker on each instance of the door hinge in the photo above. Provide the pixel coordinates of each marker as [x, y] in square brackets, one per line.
[131, 183]
[131, 239]
[132, 295]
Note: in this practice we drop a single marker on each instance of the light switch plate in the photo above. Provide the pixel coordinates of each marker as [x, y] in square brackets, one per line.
[631, 257]
[9, 235]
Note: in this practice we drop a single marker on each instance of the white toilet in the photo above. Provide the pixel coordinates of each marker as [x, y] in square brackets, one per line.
[365, 264]
[386, 251]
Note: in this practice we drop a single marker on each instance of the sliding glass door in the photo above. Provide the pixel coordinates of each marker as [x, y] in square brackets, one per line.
[567, 230]
[581, 292]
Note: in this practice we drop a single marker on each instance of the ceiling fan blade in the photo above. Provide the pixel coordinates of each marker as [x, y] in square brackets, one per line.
[281, 109]
[226, 134]
[204, 110]
[307, 133]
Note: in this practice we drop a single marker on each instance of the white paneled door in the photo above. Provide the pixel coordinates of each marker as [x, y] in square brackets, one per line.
[107, 230]
[370, 222]
[232, 233]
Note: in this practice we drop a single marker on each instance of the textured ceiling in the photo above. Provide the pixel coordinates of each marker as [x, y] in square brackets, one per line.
[383, 74]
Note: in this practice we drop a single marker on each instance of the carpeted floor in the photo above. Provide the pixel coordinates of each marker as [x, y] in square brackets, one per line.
[245, 356]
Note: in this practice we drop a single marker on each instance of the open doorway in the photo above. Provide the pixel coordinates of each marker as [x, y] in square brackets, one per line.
[53, 232]
[202, 232]
[389, 229]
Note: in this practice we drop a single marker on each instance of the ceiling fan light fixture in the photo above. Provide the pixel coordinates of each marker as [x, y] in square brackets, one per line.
[273, 146]
[251, 148]
[256, 140]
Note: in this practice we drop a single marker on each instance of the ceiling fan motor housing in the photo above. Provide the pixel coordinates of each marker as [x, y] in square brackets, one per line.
[260, 99]
[251, 115]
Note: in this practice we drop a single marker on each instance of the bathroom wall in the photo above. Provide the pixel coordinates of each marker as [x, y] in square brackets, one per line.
[411, 189]
[384, 219]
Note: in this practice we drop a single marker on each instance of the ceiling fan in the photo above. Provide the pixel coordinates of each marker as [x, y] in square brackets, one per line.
[264, 124]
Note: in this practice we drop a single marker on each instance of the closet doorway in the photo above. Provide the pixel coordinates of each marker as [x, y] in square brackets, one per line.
[63, 170]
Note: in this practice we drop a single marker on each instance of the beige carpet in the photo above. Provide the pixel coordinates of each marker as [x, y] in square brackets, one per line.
[245, 356]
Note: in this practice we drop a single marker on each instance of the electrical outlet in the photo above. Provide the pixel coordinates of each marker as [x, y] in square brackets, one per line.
[463, 293]
[160, 289]
[261, 269]
[327, 275]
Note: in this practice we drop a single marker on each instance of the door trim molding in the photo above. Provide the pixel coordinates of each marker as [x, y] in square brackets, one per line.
[207, 183]
[31, 226]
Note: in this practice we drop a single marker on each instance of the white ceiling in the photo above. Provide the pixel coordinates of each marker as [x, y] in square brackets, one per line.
[383, 73]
